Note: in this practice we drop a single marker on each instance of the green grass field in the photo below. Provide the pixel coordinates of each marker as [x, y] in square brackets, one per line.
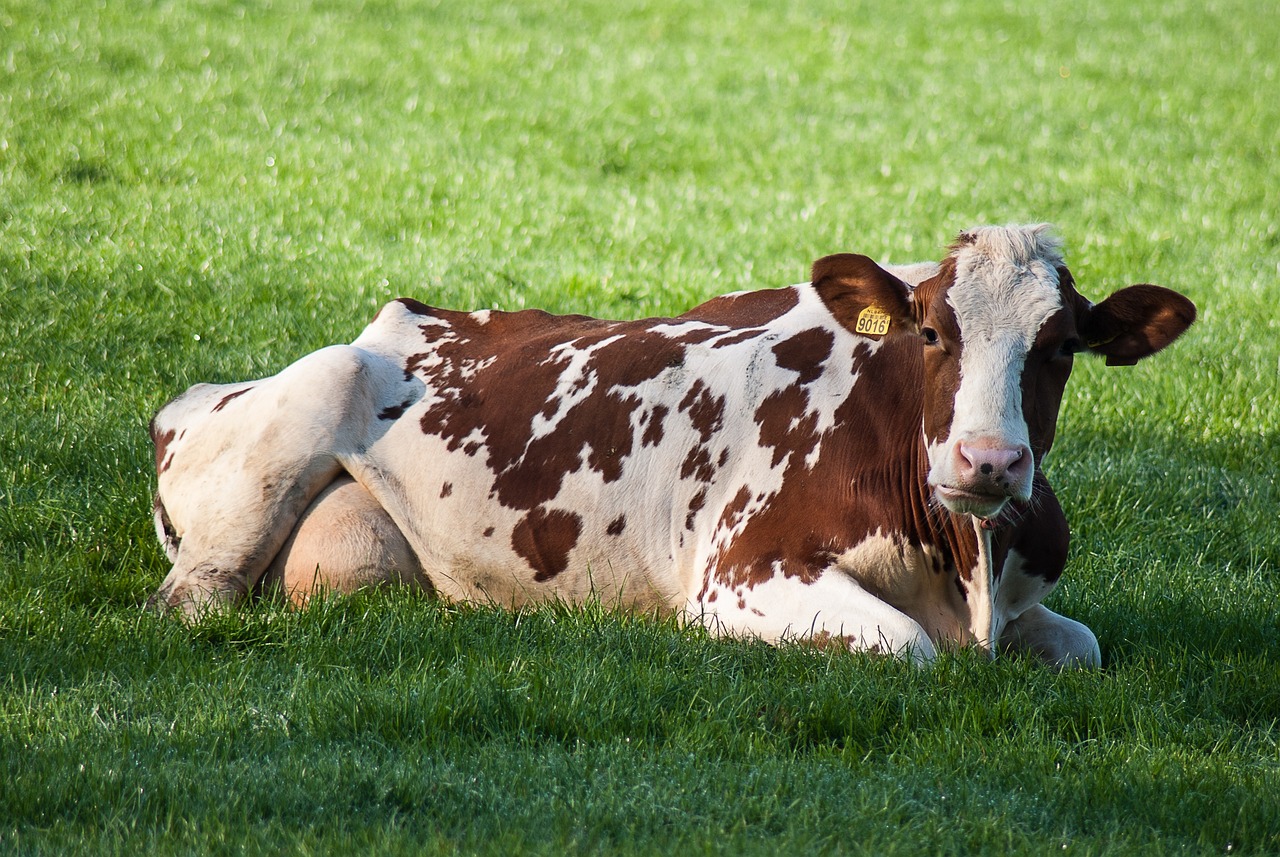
[206, 191]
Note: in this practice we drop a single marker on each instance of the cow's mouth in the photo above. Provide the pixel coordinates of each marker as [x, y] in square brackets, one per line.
[964, 501]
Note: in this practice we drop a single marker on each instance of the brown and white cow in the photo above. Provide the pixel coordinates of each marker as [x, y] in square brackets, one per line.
[855, 461]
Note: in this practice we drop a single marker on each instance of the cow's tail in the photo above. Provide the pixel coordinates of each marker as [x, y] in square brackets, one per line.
[169, 538]
[165, 531]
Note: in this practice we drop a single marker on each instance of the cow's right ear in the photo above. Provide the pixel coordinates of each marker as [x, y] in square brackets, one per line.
[862, 296]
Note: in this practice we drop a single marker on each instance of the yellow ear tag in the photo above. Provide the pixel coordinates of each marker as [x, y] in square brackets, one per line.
[873, 321]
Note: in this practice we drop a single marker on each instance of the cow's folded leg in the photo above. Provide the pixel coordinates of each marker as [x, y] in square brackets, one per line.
[831, 611]
[1055, 639]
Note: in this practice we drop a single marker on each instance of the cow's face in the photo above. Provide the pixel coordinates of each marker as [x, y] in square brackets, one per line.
[999, 336]
[999, 324]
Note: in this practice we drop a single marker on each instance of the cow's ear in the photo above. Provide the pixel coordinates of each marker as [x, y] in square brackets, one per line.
[1135, 323]
[861, 295]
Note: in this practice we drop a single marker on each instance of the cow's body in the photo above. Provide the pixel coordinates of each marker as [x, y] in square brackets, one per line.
[754, 463]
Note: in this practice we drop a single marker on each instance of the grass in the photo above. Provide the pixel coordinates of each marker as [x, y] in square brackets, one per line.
[206, 191]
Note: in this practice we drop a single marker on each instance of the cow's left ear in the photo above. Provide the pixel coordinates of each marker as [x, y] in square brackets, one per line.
[862, 296]
[1135, 323]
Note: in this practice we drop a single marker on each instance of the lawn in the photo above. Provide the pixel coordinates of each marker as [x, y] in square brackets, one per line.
[206, 191]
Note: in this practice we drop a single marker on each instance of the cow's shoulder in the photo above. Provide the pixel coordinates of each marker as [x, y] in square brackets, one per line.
[747, 309]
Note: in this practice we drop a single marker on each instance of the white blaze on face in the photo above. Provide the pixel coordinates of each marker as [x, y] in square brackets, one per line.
[1006, 287]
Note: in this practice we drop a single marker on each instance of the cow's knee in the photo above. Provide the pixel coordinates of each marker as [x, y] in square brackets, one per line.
[343, 542]
[1055, 639]
[833, 611]
[905, 638]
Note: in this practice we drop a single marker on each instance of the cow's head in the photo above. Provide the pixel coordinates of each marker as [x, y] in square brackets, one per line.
[999, 323]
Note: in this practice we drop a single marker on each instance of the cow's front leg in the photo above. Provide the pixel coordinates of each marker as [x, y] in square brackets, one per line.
[833, 610]
[1055, 639]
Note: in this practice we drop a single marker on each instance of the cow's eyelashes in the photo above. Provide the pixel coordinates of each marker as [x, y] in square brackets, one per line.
[930, 335]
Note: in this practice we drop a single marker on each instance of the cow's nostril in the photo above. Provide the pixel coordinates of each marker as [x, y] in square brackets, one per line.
[991, 462]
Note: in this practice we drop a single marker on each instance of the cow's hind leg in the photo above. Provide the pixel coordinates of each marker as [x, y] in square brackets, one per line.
[344, 541]
[239, 464]
[1055, 639]
[242, 526]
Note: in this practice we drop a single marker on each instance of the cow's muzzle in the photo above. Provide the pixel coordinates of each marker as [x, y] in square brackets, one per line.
[983, 476]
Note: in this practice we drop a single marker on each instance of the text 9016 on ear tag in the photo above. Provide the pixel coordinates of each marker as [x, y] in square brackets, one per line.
[873, 321]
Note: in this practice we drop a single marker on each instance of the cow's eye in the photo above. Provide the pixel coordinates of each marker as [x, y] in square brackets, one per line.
[930, 335]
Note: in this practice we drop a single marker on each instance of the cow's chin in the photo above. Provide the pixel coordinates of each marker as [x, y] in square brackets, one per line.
[961, 502]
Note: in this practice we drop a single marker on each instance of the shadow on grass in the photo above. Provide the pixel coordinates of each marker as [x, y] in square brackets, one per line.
[1174, 542]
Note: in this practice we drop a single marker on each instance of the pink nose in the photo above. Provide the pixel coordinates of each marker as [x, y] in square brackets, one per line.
[992, 464]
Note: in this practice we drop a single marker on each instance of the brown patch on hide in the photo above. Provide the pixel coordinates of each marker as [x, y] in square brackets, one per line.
[653, 428]
[227, 399]
[805, 353]
[544, 538]
[161, 440]
[695, 506]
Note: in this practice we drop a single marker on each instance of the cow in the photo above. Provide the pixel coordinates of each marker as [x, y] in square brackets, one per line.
[855, 462]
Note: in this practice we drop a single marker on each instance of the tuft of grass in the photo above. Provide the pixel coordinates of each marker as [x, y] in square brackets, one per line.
[207, 191]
